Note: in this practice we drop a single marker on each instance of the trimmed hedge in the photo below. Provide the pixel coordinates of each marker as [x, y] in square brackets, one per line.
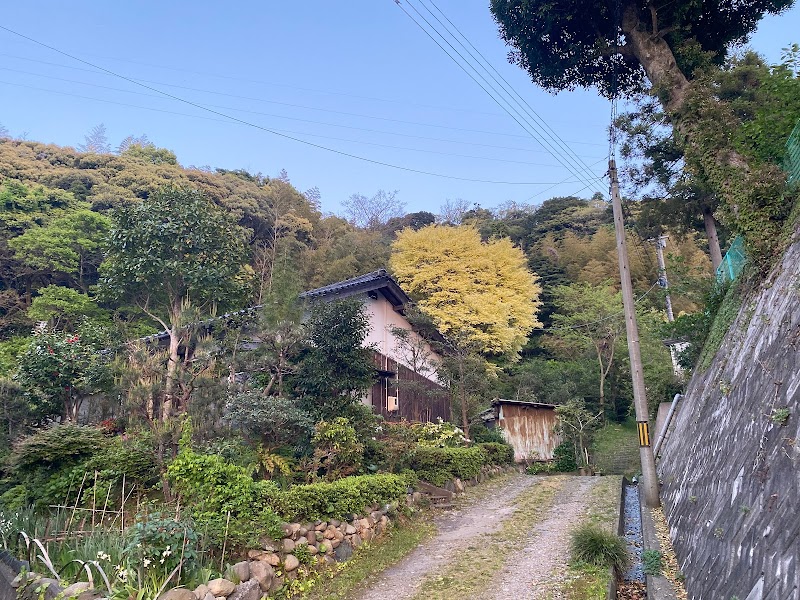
[341, 498]
[498, 454]
[440, 465]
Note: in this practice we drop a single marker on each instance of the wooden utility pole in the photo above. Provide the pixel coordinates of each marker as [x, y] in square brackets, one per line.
[661, 243]
[650, 483]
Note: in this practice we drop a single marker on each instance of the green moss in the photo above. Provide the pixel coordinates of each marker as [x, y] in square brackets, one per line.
[615, 449]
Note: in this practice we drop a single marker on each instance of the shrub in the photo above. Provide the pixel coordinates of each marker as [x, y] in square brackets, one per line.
[498, 454]
[214, 488]
[55, 446]
[596, 546]
[481, 434]
[539, 468]
[440, 465]
[161, 541]
[337, 450]
[564, 458]
[652, 563]
[441, 434]
[341, 498]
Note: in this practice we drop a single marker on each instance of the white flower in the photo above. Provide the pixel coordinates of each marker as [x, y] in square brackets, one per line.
[166, 553]
[103, 556]
[147, 562]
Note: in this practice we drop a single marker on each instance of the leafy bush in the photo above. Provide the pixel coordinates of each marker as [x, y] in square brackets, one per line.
[439, 465]
[481, 434]
[214, 488]
[441, 434]
[498, 454]
[540, 468]
[55, 446]
[596, 546]
[652, 563]
[337, 450]
[564, 458]
[341, 498]
[160, 540]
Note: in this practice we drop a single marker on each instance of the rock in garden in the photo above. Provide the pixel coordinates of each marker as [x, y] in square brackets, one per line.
[322, 526]
[290, 562]
[277, 583]
[76, 588]
[263, 574]
[249, 590]
[334, 523]
[329, 533]
[241, 570]
[344, 551]
[301, 541]
[349, 530]
[312, 550]
[355, 540]
[201, 591]
[255, 554]
[208, 596]
[366, 535]
[288, 545]
[272, 559]
[221, 587]
[178, 594]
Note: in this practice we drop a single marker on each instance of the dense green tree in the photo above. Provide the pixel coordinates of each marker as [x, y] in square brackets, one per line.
[62, 307]
[172, 252]
[589, 318]
[335, 370]
[617, 48]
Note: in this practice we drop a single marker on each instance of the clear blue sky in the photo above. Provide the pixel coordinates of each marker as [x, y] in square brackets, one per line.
[358, 76]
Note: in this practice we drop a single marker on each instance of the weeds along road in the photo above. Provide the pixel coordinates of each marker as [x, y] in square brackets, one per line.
[509, 541]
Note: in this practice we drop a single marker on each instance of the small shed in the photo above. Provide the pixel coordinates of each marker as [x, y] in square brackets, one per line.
[528, 426]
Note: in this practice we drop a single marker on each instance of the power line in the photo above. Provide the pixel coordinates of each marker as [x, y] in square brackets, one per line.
[268, 130]
[231, 108]
[494, 96]
[519, 100]
[266, 101]
[313, 135]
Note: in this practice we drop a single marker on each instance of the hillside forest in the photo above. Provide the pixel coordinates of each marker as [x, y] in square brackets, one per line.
[152, 335]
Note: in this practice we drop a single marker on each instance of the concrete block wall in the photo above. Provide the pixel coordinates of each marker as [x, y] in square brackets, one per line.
[730, 470]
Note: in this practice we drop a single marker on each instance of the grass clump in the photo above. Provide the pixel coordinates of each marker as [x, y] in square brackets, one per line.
[596, 546]
[652, 562]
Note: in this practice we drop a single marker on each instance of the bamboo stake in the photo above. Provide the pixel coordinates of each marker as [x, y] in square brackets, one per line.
[77, 498]
[122, 508]
[224, 542]
[94, 498]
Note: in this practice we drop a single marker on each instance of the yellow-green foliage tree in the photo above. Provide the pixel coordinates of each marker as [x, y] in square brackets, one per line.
[479, 292]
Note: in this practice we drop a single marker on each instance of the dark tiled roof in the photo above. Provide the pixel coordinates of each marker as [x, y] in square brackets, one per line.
[379, 281]
[498, 401]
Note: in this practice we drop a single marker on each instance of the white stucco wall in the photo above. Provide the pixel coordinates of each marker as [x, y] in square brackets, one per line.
[382, 319]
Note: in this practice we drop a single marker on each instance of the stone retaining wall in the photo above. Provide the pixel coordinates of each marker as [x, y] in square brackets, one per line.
[731, 467]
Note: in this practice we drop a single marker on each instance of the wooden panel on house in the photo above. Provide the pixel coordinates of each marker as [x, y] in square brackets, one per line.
[402, 394]
[529, 428]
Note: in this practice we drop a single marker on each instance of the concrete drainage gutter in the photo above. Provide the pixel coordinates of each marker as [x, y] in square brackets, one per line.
[658, 587]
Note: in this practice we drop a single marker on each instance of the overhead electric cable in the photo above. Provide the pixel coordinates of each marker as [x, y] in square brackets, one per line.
[510, 110]
[505, 85]
[268, 130]
[115, 89]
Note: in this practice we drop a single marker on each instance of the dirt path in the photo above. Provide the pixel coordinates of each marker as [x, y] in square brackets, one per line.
[457, 530]
[536, 571]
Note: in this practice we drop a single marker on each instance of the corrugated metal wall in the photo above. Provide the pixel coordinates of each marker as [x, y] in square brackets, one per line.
[529, 430]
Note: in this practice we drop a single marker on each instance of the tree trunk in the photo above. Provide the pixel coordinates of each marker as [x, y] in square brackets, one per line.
[462, 389]
[713, 241]
[170, 385]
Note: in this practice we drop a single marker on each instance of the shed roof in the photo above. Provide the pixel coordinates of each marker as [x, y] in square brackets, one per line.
[501, 401]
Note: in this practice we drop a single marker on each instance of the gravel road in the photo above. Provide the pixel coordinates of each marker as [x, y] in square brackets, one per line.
[456, 529]
[536, 571]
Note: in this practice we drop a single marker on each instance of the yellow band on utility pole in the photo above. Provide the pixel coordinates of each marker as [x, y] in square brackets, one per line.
[644, 433]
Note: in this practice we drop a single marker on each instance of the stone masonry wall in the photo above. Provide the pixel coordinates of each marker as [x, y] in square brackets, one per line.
[731, 466]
